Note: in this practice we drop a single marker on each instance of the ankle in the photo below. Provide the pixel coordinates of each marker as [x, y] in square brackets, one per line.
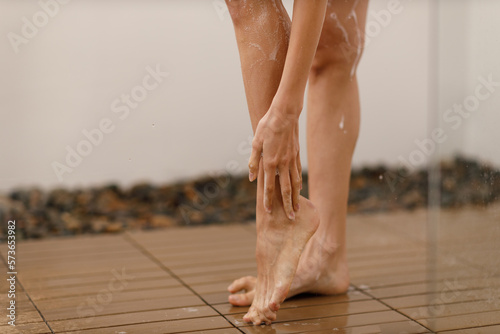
[328, 245]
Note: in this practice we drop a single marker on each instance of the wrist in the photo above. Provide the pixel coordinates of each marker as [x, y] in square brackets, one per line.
[287, 105]
[281, 118]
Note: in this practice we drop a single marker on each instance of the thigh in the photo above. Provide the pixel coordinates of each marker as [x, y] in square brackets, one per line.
[257, 10]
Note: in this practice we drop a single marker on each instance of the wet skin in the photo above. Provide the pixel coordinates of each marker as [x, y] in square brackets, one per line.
[307, 253]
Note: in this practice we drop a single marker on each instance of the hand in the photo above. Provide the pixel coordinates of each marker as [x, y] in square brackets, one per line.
[276, 141]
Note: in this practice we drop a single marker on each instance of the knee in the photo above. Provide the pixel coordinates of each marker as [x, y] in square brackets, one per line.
[340, 60]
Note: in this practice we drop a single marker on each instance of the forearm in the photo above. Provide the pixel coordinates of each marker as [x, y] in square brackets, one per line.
[307, 22]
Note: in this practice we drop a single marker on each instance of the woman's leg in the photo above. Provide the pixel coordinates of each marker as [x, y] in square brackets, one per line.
[262, 32]
[333, 125]
[333, 117]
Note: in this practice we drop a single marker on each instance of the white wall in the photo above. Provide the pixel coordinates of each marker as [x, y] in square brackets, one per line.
[66, 77]
[469, 50]
[482, 137]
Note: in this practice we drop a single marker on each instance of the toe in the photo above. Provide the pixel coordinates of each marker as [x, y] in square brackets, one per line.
[251, 315]
[242, 299]
[255, 316]
[269, 314]
[278, 297]
[244, 283]
[273, 306]
[259, 319]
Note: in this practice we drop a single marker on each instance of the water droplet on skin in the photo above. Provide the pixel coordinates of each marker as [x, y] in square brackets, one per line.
[354, 17]
[334, 17]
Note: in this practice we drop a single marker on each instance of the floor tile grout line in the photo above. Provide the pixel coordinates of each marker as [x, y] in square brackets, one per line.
[392, 308]
[328, 317]
[130, 312]
[143, 250]
[44, 299]
[82, 275]
[203, 330]
[76, 286]
[310, 305]
[429, 293]
[402, 284]
[352, 327]
[378, 285]
[29, 297]
[454, 330]
[76, 331]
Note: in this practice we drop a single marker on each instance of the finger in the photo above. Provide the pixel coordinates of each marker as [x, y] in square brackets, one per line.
[244, 283]
[286, 192]
[251, 314]
[242, 299]
[246, 317]
[295, 179]
[270, 315]
[269, 179]
[253, 163]
[299, 169]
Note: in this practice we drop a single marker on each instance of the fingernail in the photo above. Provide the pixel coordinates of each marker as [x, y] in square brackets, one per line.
[298, 206]
[268, 210]
[230, 287]
[291, 216]
[251, 177]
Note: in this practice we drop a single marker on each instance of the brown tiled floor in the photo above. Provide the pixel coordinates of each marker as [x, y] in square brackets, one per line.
[175, 280]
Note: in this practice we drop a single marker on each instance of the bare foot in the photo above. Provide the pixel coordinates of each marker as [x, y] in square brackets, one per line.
[280, 242]
[322, 269]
